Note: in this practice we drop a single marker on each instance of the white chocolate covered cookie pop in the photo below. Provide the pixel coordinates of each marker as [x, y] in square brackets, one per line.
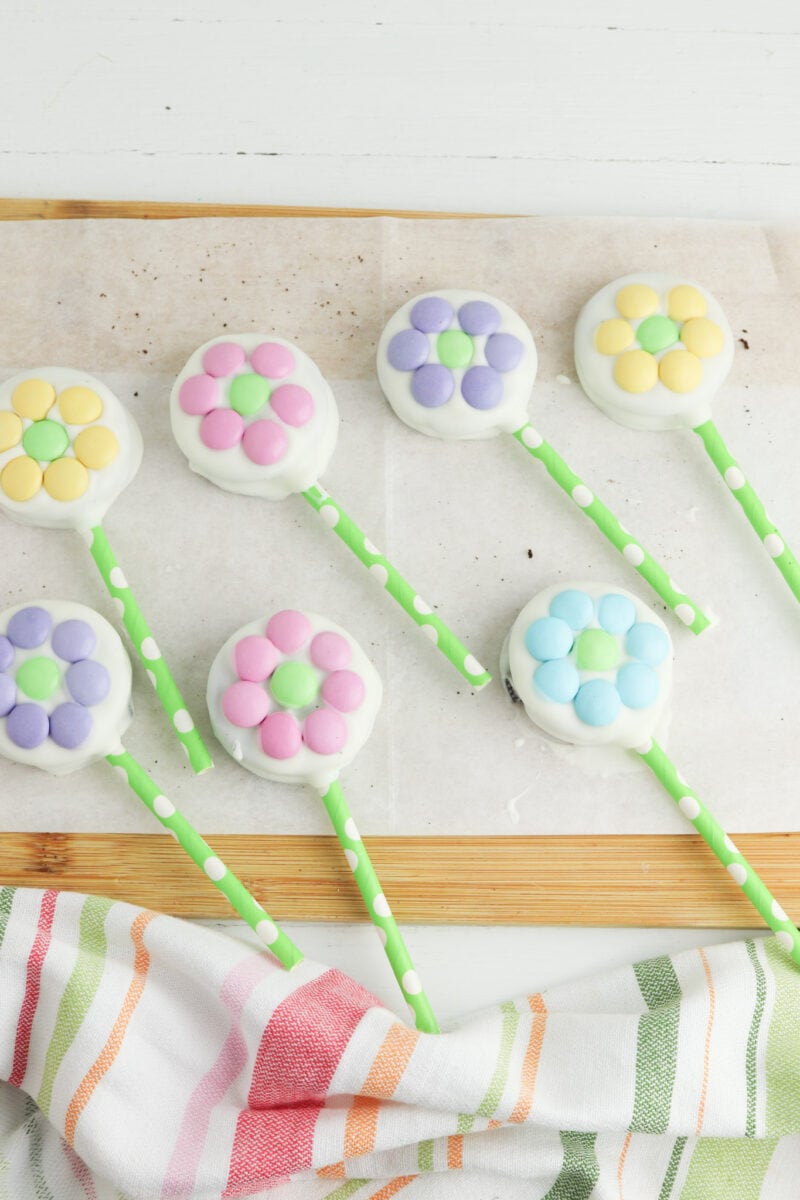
[652, 351]
[458, 364]
[293, 698]
[592, 665]
[253, 414]
[65, 702]
[68, 447]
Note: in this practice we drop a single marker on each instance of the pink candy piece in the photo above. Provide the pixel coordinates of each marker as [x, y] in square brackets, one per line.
[289, 630]
[344, 690]
[272, 360]
[280, 735]
[198, 395]
[325, 731]
[221, 429]
[293, 404]
[245, 704]
[264, 442]
[223, 359]
[255, 658]
[330, 651]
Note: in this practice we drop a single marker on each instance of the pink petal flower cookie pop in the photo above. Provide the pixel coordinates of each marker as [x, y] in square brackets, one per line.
[68, 447]
[460, 365]
[652, 350]
[65, 702]
[253, 414]
[293, 698]
[592, 664]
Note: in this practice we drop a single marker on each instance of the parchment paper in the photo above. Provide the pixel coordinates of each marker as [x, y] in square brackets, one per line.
[477, 527]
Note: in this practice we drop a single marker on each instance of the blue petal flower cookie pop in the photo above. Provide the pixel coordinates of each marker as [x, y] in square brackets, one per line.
[592, 664]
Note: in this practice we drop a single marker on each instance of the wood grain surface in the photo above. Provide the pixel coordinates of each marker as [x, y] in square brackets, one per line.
[647, 880]
[613, 880]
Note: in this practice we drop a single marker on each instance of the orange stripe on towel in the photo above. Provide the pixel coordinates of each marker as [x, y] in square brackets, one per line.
[621, 1164]
[712, 1004]
[383, 1077]
[530, 1063]
[90, 1081]
[393, 1187]
[455, 1152]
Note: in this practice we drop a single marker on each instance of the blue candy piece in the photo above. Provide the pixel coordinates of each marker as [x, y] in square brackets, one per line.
[557, 680]
[649, 643]
[637, 685]
[408, 350]
[6, 653]
[88, 682]
[597, 703]
[547, 638]
[574, 607]
[29, 627]
[503, 351]
[432, 385]
[616, 613]
[73, 640]
[8, 694]
[27, 726]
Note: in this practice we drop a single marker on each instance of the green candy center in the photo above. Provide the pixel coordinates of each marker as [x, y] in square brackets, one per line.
[45, 440]
[294, 685]
[454, 348]
[596, 650]
[38, 678]
[656, 333]
[248, 393]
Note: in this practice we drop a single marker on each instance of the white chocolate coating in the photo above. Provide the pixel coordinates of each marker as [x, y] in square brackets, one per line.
[105, 484]
[306, 766]
[456, 419]
[110, 717]
[659, 407]
[310, 446]
[632, 727]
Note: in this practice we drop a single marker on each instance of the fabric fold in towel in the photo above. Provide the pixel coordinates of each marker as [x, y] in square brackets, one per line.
[145, 1057]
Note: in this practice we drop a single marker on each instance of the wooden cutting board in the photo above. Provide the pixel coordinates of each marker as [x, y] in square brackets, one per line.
[648, 880]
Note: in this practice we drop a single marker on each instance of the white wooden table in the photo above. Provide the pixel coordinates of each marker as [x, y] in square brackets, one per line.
[512, 106]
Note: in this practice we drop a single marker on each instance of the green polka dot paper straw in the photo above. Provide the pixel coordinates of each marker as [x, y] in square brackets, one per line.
[388, 577]
[629, 547]
[204, 857]
[378, 907]
[460, 365]
[750, 504]
[592, 664]
[292, 698]
[717, 840]
[146, 647]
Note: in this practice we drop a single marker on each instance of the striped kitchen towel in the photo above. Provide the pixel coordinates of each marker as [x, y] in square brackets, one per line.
[145, 1057]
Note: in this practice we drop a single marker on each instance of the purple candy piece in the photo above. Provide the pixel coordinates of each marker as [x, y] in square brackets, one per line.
[88, 682]
[6, 652]
[482, 387]
[73, 640]
[29, 627]
[70, 725]
[26, 725]
[8, 694]
[503, 351]
[432, 385]
[432, 314]
[408, 350]
[478, 316]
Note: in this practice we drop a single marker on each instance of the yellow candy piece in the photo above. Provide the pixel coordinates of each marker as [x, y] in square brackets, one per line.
[66, 479]
[21, 478]
[636, 371]
[33, 398]
[636, 301]
[702, 337]
[685, 302]
[79, 405]
[613, 336]
[10, 430]
[96, 447]
[680, 371]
